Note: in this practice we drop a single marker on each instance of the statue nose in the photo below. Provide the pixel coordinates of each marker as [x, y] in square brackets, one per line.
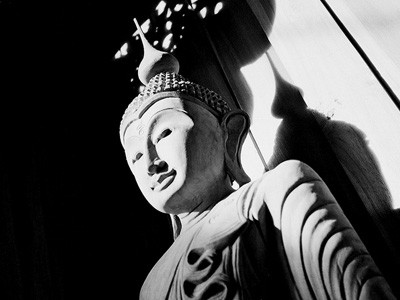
[156, 166]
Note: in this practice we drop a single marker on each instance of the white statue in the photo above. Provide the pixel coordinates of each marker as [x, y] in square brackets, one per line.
[281, 236]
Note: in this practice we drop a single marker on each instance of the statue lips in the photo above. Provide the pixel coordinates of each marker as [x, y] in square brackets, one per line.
[160, 182]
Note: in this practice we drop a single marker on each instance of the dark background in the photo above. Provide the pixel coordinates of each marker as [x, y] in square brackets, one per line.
[72, 222]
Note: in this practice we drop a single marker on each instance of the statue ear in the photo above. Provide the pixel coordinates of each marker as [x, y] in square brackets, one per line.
[236, 126]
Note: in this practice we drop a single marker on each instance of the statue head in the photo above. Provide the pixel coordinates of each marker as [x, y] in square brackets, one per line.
[182, 141]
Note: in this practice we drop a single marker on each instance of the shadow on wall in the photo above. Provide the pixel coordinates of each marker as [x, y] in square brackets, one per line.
[237, 39]
[351, 148]
[338, 151]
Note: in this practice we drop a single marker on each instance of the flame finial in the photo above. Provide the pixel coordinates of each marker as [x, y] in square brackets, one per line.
[154, 61]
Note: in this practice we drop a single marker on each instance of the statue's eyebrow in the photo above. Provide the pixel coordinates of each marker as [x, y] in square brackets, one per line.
[140, 126]
[154, 116]
[164, 109]
[153, 121]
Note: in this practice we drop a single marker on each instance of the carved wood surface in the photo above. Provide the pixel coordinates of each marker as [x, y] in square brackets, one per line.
[326, 256]
[232, 252]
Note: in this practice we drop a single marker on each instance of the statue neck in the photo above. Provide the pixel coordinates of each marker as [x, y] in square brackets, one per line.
[220, 192]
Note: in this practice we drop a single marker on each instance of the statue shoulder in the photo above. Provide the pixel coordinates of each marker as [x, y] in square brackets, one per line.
[274, 186]
[291, 173]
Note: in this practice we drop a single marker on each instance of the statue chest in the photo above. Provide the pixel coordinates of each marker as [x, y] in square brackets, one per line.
[219, 259]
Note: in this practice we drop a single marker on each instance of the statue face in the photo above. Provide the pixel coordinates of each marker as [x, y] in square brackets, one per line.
[176, 153]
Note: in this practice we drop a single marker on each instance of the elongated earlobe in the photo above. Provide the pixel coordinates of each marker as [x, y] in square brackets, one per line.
[235, 125]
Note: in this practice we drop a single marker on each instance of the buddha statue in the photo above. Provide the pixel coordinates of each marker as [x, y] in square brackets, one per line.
[282, 236]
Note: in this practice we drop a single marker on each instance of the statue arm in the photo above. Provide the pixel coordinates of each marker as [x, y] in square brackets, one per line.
[324, 256]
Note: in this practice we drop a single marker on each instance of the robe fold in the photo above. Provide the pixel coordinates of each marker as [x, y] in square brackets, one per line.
[282, 236]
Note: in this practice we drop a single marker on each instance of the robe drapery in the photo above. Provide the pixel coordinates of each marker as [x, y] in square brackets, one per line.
[283, 235]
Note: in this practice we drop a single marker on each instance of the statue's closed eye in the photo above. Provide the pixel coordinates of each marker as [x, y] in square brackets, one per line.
[166, 132]
[137, 157]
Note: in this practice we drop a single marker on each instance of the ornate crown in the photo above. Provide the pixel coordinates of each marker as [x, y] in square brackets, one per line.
[159, 72]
